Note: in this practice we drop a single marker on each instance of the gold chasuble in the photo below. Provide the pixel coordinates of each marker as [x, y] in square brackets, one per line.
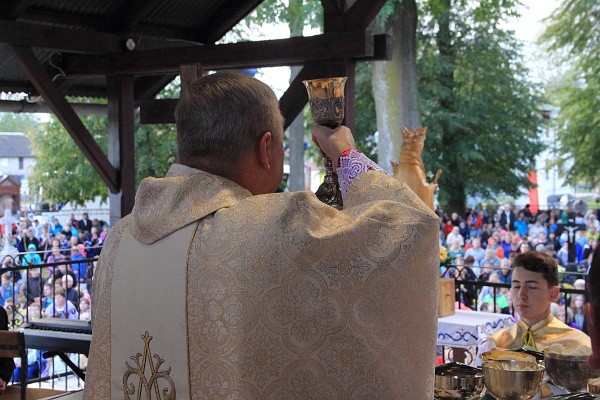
[545, 333]
[208, 292]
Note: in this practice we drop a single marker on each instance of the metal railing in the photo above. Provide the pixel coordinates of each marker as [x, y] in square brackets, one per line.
[476, 286]
[33, 290]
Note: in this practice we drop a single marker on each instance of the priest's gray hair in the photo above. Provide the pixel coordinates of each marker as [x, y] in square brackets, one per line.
[222, 116]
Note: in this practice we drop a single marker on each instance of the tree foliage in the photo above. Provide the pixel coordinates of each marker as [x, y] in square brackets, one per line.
[61, 170]
[573, 38]
[65, 175]
[476, 100]
[24, 123]
[475, 96]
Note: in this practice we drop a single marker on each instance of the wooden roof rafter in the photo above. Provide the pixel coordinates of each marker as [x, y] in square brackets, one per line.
[67, 116]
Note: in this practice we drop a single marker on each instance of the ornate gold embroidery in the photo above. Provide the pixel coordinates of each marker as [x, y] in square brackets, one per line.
[149, 385]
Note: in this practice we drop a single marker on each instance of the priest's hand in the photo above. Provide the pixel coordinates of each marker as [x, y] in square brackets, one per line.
[333, 142]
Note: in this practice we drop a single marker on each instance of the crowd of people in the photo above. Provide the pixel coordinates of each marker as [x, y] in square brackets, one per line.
[481, 245]
[56, 290]
[49, 275]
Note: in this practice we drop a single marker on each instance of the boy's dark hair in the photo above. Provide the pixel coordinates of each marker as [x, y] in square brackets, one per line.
[539, 262]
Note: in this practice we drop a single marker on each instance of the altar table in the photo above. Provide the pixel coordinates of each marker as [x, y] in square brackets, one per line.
[464, 331]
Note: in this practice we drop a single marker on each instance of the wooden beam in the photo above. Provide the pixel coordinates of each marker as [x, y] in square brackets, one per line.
[295, 97]
[99, 24]
[12, 9]
[64, 112]
[153, 111]
[74, 40]
[291, 102]
[268, 53]
[189, 74]
[146, 87]
[23, 106]
[333, 15]
[121, 143]
[158, 111]
[223, 19]
[361, 13]
[131, 13]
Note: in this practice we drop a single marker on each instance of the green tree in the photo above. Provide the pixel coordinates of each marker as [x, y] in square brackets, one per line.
[573, 38]
[473, 95]
[24, 123]
[476, 100]
[65, 175]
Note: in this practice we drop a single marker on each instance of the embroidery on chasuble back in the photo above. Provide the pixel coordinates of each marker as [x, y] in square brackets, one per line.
[324, 310]
[285, 298]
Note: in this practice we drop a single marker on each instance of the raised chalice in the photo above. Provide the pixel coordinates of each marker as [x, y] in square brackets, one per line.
[326, 99]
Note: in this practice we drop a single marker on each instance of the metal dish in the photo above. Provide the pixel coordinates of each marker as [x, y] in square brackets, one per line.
[569, 372]
[513, 385]
[456, 381]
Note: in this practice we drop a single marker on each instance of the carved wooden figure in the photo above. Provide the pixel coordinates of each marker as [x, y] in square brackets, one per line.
[410, 168]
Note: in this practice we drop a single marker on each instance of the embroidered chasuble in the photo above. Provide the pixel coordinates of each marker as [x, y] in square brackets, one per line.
[545, 333]
[207, 292]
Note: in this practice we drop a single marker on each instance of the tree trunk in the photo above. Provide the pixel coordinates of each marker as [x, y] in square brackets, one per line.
[450, 181]
[296, 128]
[296, 148]
[395, 85]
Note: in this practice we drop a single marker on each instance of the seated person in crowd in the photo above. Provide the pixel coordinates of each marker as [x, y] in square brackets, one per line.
[61, 307]
[534, 286]
[7, 365]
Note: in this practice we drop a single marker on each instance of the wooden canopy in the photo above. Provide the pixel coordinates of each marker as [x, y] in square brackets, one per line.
[126, 52]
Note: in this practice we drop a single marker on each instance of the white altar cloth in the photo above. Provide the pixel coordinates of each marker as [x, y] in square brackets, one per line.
[469, 328]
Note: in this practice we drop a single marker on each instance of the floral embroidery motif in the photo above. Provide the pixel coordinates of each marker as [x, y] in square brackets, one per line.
[372, 310]
[158, 386]
[304, 311]
[260, 357]
[346, 357]
[352, 163]
[346, 273]
[305, 384]
[219, 310]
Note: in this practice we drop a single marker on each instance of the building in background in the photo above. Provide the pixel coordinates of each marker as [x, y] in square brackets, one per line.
[16, 163]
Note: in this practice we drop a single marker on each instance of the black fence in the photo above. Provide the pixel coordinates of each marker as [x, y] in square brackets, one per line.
[468, 290]
[36, 291]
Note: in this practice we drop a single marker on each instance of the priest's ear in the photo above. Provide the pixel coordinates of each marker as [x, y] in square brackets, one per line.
[265, 150]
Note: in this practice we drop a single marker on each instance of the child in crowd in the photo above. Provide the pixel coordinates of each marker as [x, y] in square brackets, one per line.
[61, 307]
[6, 289]
[48, 295]
[71, 293]
[85, 310]
[578, 315]
[34, 312]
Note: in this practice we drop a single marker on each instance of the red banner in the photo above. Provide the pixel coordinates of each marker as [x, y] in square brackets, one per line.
[534, 202]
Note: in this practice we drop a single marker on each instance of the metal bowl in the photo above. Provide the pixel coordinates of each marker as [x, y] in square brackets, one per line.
[456, 381]
[568, 371]
[513, 385]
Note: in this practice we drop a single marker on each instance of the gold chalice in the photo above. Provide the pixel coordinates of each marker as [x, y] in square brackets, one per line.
[326, 98]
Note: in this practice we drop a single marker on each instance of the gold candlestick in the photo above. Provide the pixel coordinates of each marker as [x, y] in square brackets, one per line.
[326, 97]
